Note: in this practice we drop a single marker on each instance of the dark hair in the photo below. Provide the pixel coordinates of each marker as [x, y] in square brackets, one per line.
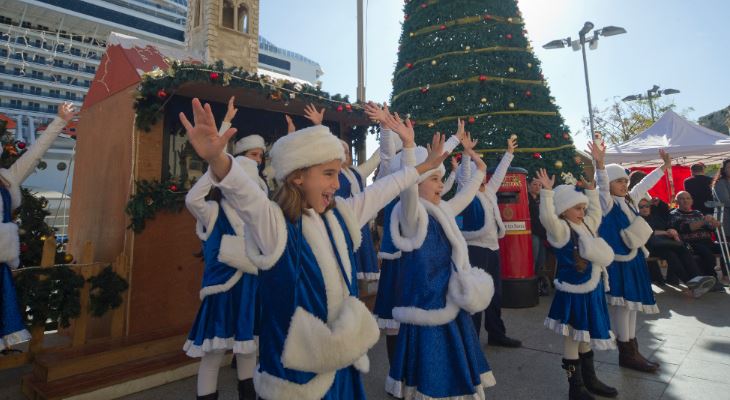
[635, 177]
[721, 174]
[697, 167]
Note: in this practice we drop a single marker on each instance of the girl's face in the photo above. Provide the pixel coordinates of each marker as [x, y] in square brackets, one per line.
[255, 154]
[644, 208]
[319, 184]
[619, 187]
[535, 187]
[575, 214]
[432, 188]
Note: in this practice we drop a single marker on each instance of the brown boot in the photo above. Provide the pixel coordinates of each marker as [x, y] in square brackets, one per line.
[636, 348]
[628, 357]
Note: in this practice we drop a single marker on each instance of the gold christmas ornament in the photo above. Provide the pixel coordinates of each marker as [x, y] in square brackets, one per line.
[558, 164]
[529, 65]
[509, 19]
[433, 62]
[511, 105]
[450, 99]
[430, 124]
[411, 34]
[511, 69]
[467, 48]
[68, 258]
[484, 100]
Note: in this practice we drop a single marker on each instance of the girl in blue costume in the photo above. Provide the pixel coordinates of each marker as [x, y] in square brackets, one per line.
[627, 232]
[579, 311]
[12, 329]
[438, 355]
[227, 317]
[316, 333]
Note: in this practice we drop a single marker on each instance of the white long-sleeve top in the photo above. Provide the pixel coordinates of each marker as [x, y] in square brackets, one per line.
[364, 170]
[494, 228]
[636, 193]
[449, 182]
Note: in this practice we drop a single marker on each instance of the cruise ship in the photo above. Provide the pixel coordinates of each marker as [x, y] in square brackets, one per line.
[50, 51]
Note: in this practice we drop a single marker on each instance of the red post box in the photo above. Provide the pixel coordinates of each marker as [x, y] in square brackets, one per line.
[519, 283]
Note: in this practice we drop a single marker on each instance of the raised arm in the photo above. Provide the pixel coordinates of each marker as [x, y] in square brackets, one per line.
[498, 177]
[449, 182]
[367, 168]
[205, 212]
[558, 231]
[604, 189]
[594, 213]
[465, 196]
[642, 188]
[25, 165]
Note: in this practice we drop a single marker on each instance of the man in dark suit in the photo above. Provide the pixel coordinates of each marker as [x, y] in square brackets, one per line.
[699, 186]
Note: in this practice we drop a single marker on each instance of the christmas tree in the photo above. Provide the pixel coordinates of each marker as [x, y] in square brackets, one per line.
[31, 214]
[471, 59]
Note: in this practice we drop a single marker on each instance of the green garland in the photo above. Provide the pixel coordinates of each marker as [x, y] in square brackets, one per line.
[106, 291]
[56, 297]
[158, 86]
[151, 197]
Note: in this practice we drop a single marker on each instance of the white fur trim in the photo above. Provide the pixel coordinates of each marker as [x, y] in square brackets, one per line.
[637, 234]
[350, 222]
[203, 231]
[251, 168]
[368, 276]
[404, 243]
[313, 346]
[400, 390]
[14, 338]
[232, 251]
[217, 343]
[362, 364]
[387, 323]
[9, 244]
[270, 387]
[632, 305]
[266, 261]
[223, 287]
[580, 336]
[389, 256]
[565, 197]
[340, 244]
[615, 171]
[423, 317]
[14, 189]
[305, 148]
[352, 178]
[585, 287]
[627, 257]
[249, 142]
[471, 289]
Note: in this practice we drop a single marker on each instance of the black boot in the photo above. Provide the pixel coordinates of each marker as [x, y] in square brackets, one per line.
[246, 390]
[212, 396]
[592, 383]
[575, 380]
[390, 341]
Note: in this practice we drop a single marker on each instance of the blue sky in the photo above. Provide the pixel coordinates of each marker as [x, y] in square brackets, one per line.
[672, 43]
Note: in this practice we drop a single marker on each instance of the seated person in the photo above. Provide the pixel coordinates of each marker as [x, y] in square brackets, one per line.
[695, 229]
[666, 244]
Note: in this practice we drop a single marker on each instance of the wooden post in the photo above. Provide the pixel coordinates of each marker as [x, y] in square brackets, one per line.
[120, 266]
[80, 324]
[48, 259]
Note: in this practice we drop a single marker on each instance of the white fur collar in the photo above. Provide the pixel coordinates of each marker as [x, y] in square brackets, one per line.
[14, 188]
[266, 261]
[203, 231]
[9, 244]
[352, 226]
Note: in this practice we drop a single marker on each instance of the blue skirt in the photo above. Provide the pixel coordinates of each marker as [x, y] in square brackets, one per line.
[434, 362]
[631, 285]
[367, 261]
[582, 316]
[347, 385]
[226, 321]
[12, 329]
[387, 293]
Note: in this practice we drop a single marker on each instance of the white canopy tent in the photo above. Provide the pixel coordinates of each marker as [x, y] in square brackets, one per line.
[687, 143]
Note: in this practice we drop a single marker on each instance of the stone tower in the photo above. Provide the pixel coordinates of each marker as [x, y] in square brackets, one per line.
[226, 30]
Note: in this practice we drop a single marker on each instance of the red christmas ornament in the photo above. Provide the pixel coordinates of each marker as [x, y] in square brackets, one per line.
[161, 93]
[442, 27]
[488, 17]
[548, 136]
[23, 247]
[528, 93]
[566, 136]
[424, 90]
[213, 75]
[21, 145]
[472, 120]
[173, 188]
[339, 108]
[508, 36]
[409, 66]
[348, 107]
[537, 156]
[405, 17]
[482, 78]
[424, 5]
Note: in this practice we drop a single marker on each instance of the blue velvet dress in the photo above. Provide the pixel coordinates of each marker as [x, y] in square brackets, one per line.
[365, 257]
[582, 316]
[435, 362]
[12, 329]
[630, 284]
[389, 284]
[226, 320]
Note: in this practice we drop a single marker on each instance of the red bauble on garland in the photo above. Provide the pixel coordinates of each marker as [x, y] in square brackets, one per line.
[161, 93]
[472, 120]
[528, 93]
[482, 78]
[21, 145]
[173, 188]
[409, 65]
[348, 107]
[339, 108]
[536, 156]
[548, 136]
[488, 17]
[442, 27]
[424, 90]
[508, 36]
[214, 76]
[23, 247]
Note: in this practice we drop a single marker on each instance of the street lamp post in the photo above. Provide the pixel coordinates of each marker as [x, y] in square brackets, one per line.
[580, 44]
[651, 94]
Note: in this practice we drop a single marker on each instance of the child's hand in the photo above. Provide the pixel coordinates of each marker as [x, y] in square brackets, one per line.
[546, 181]
[436, 154]
[460, 130]
[511, 144]
[375, 112]
[666, 158]
[404, 130]
[67, 111]
[469, 144]
[204, 134]
[290, 128]
[454, 164]
[232, 110]
[598, 152]
[310, 111]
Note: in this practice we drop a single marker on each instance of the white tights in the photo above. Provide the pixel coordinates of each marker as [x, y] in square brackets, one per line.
[573, 348]
[210, 364]
[623, 321]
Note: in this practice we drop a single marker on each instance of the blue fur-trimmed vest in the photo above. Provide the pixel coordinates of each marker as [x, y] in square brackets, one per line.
[345, 189]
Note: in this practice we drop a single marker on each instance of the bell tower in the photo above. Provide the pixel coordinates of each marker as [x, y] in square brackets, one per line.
[226, 30]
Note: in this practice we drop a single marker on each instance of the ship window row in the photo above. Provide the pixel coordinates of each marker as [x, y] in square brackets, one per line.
[82, 85]
[38, 29]
[41, 60]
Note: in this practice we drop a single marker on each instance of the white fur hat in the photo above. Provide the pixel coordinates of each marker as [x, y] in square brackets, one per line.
[421, 155]
[616, 171]
[304, 148]
[249, 142]
[567, 196]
